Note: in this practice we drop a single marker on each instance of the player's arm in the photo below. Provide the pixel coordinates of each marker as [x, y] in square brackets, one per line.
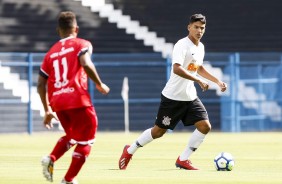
[90, 69]
[204, 73]
[179, 70]
[42, 91]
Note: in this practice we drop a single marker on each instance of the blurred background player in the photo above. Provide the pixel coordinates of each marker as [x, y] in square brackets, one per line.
[179, 100]
[63, 74]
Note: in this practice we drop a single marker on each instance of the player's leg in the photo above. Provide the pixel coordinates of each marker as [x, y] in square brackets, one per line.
[84, 126]
[47, 162]
[62, 146]
[194, 142]
[169, 114]
[198, 115]
[167, 118]
[146, 137]
[197, 137]
[79, 156]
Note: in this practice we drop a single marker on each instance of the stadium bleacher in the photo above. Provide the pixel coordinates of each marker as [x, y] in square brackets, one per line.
[232, 26]
[239, 26]
[30, 26]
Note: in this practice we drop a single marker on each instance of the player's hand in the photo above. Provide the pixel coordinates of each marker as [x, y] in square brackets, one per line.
[204, 85]
[47, 119]
[103, 88]
[223, 86]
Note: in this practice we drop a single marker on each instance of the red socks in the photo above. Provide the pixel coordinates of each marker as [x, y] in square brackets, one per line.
[79, 156]
[61, 147]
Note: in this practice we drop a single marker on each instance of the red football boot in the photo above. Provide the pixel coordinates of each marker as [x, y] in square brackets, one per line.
[186, 164]
[124, 158]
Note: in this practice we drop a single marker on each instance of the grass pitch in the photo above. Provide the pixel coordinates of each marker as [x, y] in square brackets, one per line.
[258, 159]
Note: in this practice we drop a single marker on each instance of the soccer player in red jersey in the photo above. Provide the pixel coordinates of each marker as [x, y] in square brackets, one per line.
[62, 86]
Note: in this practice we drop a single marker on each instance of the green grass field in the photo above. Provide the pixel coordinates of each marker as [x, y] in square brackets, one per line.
[258, 159]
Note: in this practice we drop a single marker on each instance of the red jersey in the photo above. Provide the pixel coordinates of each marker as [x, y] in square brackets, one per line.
[67, 80]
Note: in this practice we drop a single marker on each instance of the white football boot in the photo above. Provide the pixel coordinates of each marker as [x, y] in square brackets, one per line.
[74, 181]
[48, 167]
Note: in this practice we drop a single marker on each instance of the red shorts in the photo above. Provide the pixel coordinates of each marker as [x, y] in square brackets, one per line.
[80, 124]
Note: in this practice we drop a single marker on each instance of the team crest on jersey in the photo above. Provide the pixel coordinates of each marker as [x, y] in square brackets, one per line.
[166, 121]
[193, 67]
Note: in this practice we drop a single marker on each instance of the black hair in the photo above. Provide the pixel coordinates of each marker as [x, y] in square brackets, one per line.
[66, 20]
[196, 18]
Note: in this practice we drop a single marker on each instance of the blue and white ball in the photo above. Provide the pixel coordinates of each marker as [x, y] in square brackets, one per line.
[224, 162]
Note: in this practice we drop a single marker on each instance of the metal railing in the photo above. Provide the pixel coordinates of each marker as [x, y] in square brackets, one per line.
[234, 106]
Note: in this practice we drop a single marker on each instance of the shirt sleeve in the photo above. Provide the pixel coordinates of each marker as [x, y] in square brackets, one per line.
[178, 54]
[85, 47]
[44, 71]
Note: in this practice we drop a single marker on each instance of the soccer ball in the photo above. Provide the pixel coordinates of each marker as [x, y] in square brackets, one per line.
[224, 162]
